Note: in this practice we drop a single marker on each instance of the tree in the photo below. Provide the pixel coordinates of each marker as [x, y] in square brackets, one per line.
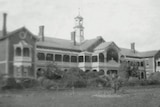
[127, 70]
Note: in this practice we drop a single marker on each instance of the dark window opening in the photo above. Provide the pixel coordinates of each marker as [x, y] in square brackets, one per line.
[101, 57]
[142, 64]
[158, 63]
[66, 58]
[94, 58]
[73, 58]
[18, 51]
[87, 59]
[58, 57]
[25, 51]
[41, 56]
[49, 57]
[80, 58]
[112, 55]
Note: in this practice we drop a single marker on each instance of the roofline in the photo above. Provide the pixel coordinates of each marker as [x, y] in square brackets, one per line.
[12, 32]
[45, 47]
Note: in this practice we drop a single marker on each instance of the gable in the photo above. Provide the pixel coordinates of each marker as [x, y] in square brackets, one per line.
[15, 32]
[90, 45]
[107, 45]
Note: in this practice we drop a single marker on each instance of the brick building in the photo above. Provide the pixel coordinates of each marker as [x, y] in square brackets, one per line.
[23, 54]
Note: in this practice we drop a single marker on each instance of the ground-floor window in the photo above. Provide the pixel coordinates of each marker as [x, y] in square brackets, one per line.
[22, 71]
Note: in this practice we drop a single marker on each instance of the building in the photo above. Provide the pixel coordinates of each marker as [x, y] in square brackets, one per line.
[23, 54]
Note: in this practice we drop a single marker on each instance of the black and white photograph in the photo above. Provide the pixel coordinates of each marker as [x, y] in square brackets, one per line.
[79, 53]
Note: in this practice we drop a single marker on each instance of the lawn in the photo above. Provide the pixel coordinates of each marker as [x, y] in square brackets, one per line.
[137, 97]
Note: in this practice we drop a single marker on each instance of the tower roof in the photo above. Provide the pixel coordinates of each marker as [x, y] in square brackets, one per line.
[78, 17]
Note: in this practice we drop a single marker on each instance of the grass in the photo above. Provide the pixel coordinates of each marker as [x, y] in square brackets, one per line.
[137, 97]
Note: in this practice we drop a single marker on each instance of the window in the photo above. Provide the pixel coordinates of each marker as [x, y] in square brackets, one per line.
[142, 64]
[94, 58]
[101, 57]
[80, 58]
[26, 52]
[49, 57]
[112, 55]
[25, 72]
[18, 51]
[73, 58]
[41, 56]
[18, 71]
[147, 62]
[87, 59]
[66, 58]
[58, 57]
[158, 63]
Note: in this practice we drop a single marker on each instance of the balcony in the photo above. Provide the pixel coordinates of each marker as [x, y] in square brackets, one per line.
[84, 64]
[22, 59]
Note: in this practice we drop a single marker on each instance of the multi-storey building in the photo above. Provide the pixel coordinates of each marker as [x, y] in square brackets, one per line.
[23, 54]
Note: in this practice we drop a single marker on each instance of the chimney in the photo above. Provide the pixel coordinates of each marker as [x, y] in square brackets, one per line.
[133, 47]
[4, 29]
[41, 32]
[73, 38]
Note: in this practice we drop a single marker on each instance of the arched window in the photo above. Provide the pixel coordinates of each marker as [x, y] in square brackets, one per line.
[58, 57]
[41, 56]
[18, 51]
[49, 57]
[25, 51]
[94, 58]
[66, 58]
[101, 57]
[112, 55]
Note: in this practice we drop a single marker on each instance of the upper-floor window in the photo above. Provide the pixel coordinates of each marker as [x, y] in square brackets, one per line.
[158, 63]
[112, 55]
[66, 58]
[73, 58]
[58, 57]
[41, 56]
[26, 52]
[80, 58]
[49, 57]
[101, 57]
[94, 58]
[142, 64]
[147, 62]
[87, 59]
[18, 51]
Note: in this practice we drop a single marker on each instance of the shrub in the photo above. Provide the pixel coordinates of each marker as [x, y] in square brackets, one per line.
[27, 82]
[132, 81]
[10, 83]
[154, 76]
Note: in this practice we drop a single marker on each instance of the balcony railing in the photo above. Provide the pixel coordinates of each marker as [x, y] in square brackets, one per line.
[22, 59]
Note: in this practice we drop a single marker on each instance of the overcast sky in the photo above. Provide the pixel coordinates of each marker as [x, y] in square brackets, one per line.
[121, 21]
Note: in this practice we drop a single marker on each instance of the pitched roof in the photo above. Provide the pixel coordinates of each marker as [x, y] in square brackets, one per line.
[148, 53]
[129, 52]
[103, 45]
[67, 44]
[88, 43]
[58, 43]
[11, 33]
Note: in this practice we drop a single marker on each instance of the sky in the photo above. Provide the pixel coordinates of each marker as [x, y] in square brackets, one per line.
[121, 21]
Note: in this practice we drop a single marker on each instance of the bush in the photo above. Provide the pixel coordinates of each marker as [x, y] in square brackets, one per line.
[132, 81]
[154, 76]
[27, 82]
[10, 83]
